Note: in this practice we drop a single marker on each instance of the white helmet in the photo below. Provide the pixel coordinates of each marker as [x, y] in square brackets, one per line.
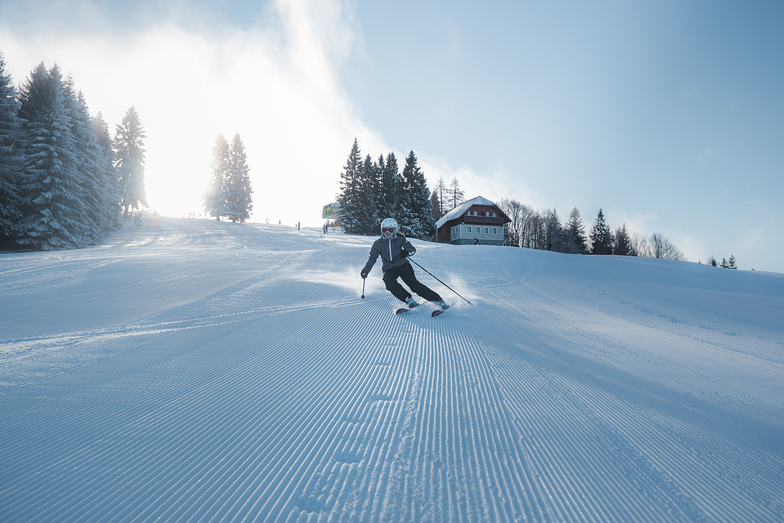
[389, 223]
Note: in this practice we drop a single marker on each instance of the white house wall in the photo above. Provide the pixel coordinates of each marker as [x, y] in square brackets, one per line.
[464, 234]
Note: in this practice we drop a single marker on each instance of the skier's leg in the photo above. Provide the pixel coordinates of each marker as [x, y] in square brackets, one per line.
[393, 286]
[409, 278]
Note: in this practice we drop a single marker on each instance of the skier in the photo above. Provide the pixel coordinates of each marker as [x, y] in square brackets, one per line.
[394, 248]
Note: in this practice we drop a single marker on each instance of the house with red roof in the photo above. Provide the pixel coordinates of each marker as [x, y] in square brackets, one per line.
[475, 221]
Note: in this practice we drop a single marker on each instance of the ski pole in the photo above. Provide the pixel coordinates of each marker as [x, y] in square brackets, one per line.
[363, 288]
[442, 283]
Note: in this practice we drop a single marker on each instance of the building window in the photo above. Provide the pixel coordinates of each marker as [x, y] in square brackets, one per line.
[485, 230]
[469, 229]
[495, 231]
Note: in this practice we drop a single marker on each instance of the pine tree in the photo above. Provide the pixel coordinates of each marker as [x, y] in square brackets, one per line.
[239, 201]
[214, 197]
[350, 178]
[417, 210]
[575, 233]
[368, 197]
[129, 160]
[553, 232]
[10, 161]
[623, 244]
[390, 187]
[601, 236]
[436, 204]
[53, 217]
[109, 193]
[86, 165]
[731, 264]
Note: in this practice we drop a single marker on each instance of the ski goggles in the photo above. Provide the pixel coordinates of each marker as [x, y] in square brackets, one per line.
[390, 230]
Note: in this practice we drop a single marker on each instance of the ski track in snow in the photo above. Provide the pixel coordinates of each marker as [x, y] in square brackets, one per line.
[208, 371]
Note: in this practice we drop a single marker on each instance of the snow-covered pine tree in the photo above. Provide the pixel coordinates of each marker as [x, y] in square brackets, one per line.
[53, 216]
[214, 197]
[86, 165]
[601, 236]
[349, 197]
[10, 160]
[417, 210]
[109, 186]
[575, 233]
[239, 199]
[390, 181]
[129, 160]
[368, 196]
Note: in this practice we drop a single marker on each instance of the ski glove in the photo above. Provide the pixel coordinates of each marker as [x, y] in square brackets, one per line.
[363, 274]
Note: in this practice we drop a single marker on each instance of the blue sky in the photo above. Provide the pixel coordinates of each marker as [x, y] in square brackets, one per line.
[668, 115]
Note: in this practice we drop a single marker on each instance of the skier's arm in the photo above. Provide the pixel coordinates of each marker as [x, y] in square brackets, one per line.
[408, 249]
[371, 261]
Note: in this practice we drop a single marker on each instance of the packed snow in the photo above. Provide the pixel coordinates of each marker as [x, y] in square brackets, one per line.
[208, 371]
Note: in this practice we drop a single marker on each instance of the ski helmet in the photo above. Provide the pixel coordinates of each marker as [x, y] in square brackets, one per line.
[389, 223]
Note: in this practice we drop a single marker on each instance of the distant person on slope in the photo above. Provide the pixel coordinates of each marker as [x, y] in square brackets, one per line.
[394, 248]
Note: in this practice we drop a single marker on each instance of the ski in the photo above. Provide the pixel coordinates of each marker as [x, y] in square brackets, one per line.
[403, 310]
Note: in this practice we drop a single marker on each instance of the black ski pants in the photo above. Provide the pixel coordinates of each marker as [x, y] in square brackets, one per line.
[406, 273]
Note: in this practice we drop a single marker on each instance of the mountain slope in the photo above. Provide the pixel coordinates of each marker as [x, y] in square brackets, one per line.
[209, 371]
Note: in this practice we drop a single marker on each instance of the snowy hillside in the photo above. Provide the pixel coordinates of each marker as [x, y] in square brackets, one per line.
[206, 371]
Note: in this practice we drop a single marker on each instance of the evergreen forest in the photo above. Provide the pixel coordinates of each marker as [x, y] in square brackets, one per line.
[63, 179]
[371, 190]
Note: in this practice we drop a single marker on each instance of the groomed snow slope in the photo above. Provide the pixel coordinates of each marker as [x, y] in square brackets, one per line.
[205, 371]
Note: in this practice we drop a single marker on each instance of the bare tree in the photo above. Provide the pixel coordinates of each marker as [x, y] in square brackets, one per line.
[663, 248]
[640, 245]
[512, 230]
[531, 225]
[441, 193]
[454, 194]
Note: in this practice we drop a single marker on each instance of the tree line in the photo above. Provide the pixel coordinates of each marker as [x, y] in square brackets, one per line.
[371, 190]
[63, 179]
[229, 190]
[544, 230]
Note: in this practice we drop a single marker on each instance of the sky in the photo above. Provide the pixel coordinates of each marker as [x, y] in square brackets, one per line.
[667, 115]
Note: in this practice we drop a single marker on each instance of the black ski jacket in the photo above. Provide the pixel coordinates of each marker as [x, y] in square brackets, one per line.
[393, 252]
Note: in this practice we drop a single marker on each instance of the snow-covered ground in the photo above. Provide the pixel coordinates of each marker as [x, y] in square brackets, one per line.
[205, 371]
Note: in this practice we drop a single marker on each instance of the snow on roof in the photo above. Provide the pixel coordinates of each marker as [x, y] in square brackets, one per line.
[461, 209]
